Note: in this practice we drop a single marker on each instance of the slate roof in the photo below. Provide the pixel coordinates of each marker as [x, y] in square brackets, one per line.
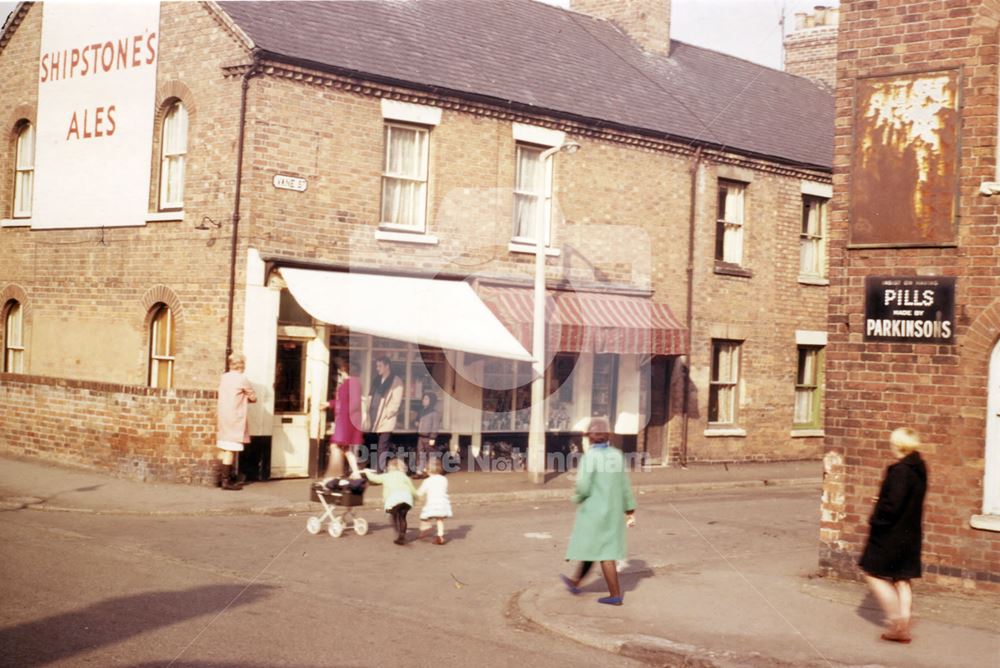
[531, 55]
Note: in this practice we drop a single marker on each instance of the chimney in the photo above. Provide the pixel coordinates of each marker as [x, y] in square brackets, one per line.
[811, 48]
[645, 21]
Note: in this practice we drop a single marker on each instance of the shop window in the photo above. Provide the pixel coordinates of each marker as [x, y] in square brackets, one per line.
[24, 170]
[506, 395]
[13, 338]
[173, 151]
[161, 348]
[532, 195]
[813, 237]
[723, 390]
[559, 391]
[604, 387]
[808, 387]
[729, 223]
[404, 178]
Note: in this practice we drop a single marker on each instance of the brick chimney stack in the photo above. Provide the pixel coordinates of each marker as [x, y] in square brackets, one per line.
[645, 21]
[811, 47]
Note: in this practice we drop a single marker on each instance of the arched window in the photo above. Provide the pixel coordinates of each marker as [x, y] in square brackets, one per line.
[13, 338]
[173, 149]
[24, 170]
[161, 347]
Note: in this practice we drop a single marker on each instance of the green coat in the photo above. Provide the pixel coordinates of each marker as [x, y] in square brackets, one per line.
[604, 494]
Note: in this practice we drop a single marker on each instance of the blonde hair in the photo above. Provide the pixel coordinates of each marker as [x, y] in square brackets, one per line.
[237, 358]
[397, 465]
[434, 466]
[905, 440]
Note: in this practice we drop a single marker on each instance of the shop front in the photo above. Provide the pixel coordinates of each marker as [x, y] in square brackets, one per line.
[463, 345]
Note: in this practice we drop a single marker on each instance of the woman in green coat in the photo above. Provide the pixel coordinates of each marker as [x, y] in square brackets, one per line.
[606, 504]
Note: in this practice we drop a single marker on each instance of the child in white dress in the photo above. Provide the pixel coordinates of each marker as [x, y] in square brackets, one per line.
[437, 506]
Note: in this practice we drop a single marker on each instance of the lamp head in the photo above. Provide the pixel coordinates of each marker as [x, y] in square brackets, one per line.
[570, 147]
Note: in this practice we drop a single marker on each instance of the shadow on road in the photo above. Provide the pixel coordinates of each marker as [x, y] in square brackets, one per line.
[113, 620]
[869, 609]
[229, 664]
[629, 579]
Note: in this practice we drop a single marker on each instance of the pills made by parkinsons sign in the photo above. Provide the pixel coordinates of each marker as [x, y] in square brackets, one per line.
[910, 309]
[96, 105]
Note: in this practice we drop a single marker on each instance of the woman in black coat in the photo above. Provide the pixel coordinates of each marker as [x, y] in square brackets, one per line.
[892, 556]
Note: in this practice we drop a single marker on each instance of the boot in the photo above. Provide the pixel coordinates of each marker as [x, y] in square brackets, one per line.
[228, 482]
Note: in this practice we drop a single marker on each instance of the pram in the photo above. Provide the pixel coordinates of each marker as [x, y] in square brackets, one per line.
[334, 495]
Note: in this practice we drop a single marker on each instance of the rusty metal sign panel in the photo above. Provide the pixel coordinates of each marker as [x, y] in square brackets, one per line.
[904, 178]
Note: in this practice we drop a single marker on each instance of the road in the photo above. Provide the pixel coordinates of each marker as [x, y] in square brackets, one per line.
[256, 591]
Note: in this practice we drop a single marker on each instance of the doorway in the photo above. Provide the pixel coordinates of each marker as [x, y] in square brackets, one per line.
[290, 433]
[991, 476]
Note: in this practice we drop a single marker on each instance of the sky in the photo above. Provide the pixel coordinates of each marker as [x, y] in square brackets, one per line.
[748, 29]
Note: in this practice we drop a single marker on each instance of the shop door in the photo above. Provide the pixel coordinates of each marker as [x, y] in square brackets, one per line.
[290, 434]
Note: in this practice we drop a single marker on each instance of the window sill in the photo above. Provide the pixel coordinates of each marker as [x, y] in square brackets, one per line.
[807, 433]
[15, 222]
[407, 237]
[726, 269]
[813, 280]
[985, 522]
[713, 432]
[165, 216]
[531, 249]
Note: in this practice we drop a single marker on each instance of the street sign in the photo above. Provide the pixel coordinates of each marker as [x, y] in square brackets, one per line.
[285, 182]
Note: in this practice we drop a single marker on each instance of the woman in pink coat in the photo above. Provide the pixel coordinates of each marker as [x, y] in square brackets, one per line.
[347, 435]
[235, 394]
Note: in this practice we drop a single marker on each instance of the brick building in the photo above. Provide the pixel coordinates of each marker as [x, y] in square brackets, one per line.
[915, 278]
[286, 183]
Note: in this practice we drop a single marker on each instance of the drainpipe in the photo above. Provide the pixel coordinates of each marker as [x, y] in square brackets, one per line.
[692, 224]
[252, 71]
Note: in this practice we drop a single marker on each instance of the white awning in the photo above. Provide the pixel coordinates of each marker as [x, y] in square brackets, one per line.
[443, 314]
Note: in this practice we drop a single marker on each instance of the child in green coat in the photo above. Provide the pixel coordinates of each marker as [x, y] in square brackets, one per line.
[397, 494]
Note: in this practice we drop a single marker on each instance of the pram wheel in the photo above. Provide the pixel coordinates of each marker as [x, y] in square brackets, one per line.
[360, 526]
[313, 525]
[336, 529]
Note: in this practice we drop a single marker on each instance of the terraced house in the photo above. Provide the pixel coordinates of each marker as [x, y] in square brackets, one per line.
[311, 181]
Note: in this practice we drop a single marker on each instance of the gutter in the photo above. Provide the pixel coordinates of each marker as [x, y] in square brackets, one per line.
[252, 71]
[689, 314]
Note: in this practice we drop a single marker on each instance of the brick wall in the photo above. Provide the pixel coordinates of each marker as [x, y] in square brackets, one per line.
[133, 432]
[938, 389]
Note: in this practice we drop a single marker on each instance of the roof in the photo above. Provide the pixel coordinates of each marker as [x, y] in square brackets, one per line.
[531, 55]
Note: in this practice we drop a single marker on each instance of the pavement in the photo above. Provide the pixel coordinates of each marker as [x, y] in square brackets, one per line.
[717, 610]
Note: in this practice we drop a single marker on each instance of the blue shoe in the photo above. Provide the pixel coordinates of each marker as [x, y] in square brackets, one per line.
[570, 587]
[612, 600]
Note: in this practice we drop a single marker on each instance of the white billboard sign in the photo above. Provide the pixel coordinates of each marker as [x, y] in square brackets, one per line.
[96, 104]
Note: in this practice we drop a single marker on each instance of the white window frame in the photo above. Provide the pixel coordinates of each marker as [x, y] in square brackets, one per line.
[812, 238]
[13, 358]
[731, 222]
[540, 192]
[809, 389]
[24, 171]
[173, 155]
[155, 359]
[724, 384]
[419, 178]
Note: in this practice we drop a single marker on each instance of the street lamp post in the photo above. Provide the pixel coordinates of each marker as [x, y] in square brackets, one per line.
[536, 428]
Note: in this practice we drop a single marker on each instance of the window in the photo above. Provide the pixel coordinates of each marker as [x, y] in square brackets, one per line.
[724, 388]
[24, 170]
[161, 348]
[532, 194]
[729, 223]
[808, 390]
[13, 337]
[813, 239]
[173, 149]
[506, 395]
[404, 178]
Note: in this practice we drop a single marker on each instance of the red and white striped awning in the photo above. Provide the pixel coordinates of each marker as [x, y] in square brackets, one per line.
[590, 321]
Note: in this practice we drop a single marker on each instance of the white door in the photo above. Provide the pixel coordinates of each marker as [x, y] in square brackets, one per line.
[991, 479]
[290, 433]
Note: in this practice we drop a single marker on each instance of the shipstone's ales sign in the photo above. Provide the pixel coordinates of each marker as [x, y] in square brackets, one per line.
[96, 102]
[910, 309]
